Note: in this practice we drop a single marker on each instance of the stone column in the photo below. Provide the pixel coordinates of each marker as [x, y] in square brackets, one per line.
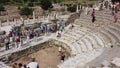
[22, 20]
[77, 10]
[43, 17]
[48, 17]
[33, 16]
[80, 7]
[0, 24]
[56, 16]
[28, 20]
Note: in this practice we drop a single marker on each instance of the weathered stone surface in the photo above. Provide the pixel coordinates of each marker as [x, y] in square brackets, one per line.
[16, 55]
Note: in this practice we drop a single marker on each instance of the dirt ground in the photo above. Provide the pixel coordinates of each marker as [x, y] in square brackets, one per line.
[47, 58]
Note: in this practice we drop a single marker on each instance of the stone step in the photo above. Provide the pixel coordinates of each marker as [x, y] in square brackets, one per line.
[106, 35]
[79, 50]
[99, 40]
[74, 33]
[93, 41]
[115, 33]
[73, 49]
[85, 25]
[89, 23]
[88, 44]
[81, 27]
[98, 18]
[85, 21]
[79, 31]
[90, 27]
[98, 43]
[110, 34]
[105, 38]
[96, 24]
[115, 26]
[81, 59]
[71, 36]
[66, 39]
[82, 44]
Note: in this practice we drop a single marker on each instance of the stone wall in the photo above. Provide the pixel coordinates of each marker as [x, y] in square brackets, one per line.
[16, 55]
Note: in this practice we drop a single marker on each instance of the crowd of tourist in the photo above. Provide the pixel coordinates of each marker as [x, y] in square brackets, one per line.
[113, 7]
[32, 64]
[17, 37]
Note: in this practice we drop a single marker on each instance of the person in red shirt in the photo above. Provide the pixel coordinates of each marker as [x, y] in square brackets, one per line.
[17, 40]
[10, 34]
[115, 17]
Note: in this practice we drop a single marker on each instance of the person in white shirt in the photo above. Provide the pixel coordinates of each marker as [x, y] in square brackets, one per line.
[60, 49]
[33, 64]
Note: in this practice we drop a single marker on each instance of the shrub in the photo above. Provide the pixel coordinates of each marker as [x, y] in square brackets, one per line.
[2, 8]
[31, 4]
[72, 8]
[26, 11]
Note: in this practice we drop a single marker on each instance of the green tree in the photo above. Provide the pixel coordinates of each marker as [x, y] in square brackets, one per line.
[56, 1]
[2, 8]
[18, 1]
[72, 8]
[4, 1]
[46, 4]
[31, 4]
[26, 11]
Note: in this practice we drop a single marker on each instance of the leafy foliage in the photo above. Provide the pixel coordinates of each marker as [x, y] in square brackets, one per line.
[2, 8]
[46, 4]
[72, 8]
[18, 1]
[31, 4]
[26, 11]
[4, 1]
[57, 1]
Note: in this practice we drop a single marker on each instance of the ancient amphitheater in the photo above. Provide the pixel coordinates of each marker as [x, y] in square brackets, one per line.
[87, 40]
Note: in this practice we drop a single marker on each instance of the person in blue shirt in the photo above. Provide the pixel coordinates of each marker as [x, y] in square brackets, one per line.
[15, 32]
[61, 28]
[41, 28]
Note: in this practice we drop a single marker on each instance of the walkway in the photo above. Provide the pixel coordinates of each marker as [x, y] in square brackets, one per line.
[32, 42]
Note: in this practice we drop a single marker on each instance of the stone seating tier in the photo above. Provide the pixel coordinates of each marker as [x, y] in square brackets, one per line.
[102, 33]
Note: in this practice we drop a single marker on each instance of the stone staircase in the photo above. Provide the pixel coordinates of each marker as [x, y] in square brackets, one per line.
[87, 37]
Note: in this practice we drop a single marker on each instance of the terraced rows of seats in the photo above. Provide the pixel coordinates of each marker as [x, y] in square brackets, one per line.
[87, 36]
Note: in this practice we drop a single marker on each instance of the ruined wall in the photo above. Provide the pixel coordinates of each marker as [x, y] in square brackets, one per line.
[16, 55]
